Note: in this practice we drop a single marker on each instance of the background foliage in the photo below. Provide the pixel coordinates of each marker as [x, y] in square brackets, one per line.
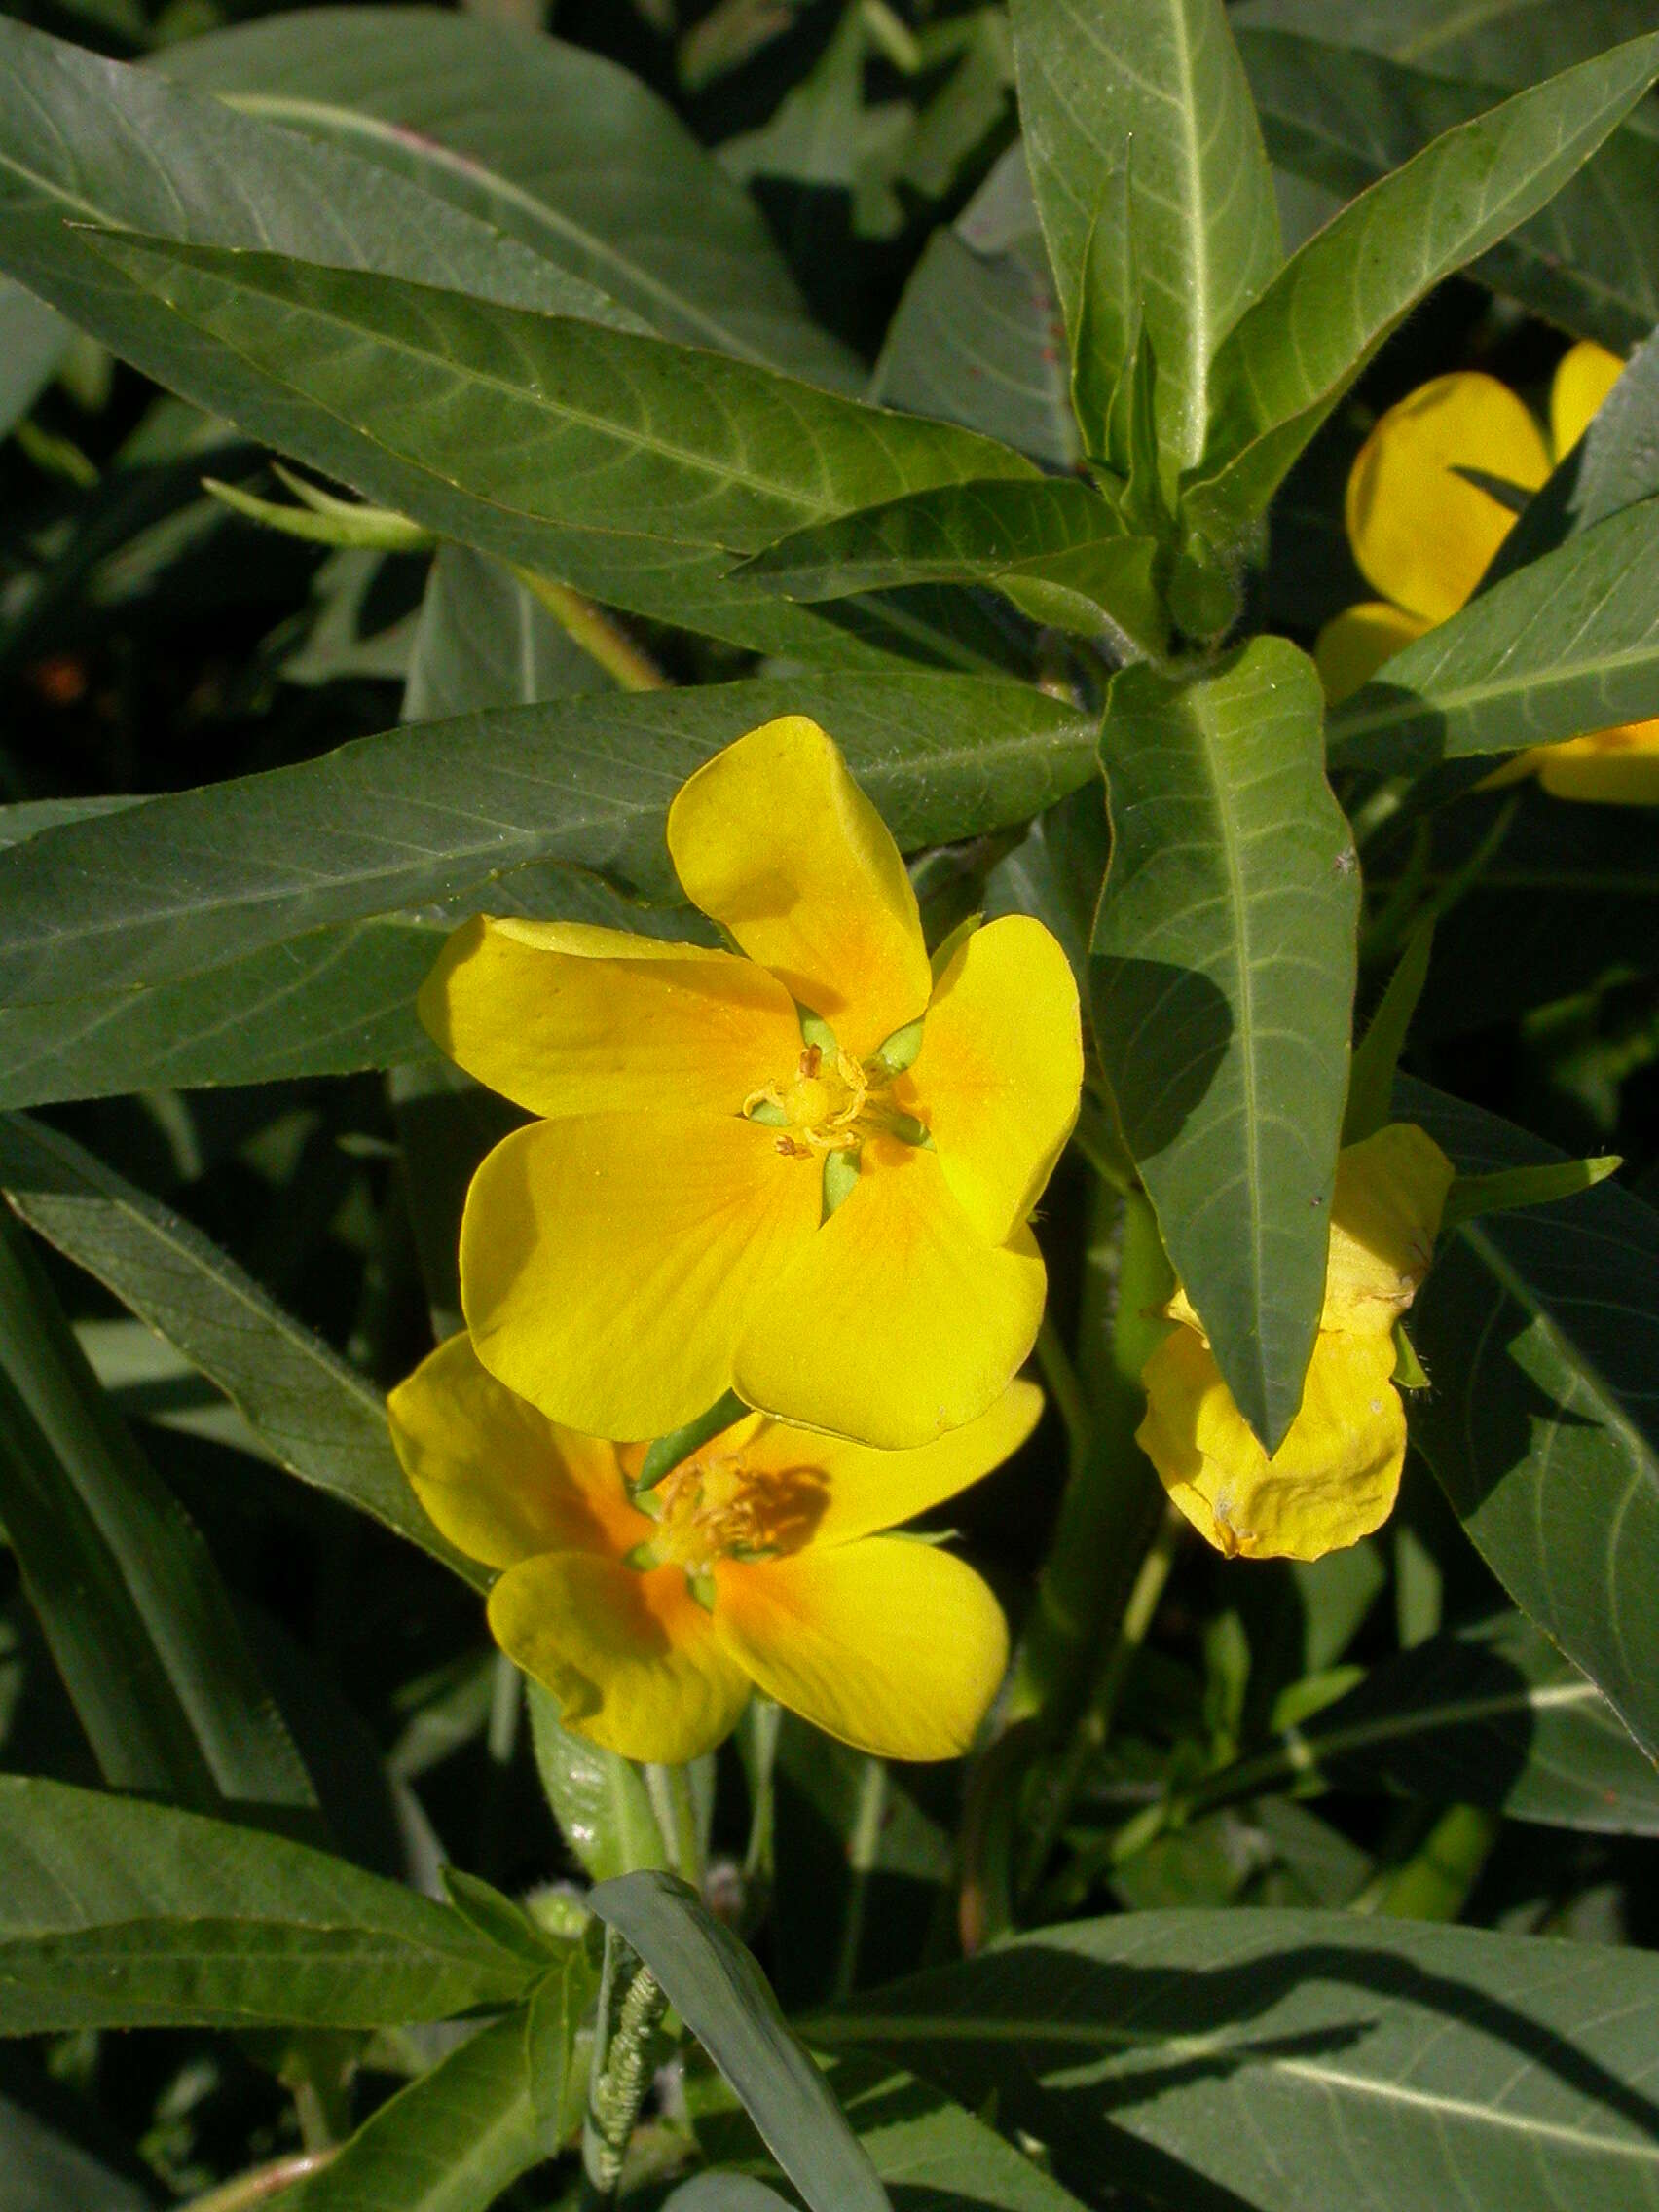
[1270, 1886]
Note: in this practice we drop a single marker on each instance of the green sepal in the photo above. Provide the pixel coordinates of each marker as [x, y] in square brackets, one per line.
[901, 1049]
[1408, 1372]
[666, 1454]
[1514, 1187]
[769, 1115]
[1371, 1074]
[815, 1030]
[840, 1173]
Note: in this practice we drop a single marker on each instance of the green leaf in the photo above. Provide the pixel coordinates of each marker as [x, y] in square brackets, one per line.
[560, 2006]
[559, 148]
[1344, 119]
[46, 2169]
[142, 1629]
[973, 339]
[319, 1418]
[528, 435]
[722, 1995]
[1540, 1332]
[1222, 973]
[1290, 357]
[183, 884]
[1491, 1716]
[32, 339]
[84, 140]
[1507, 41]
[1566, 645]
[1293, 2061]
[1471, 1196]
[724, 2193]
[1614, 464]
[117, 1913]
[1056, 534]
[483, 640]
[450, 2142]
[597, 1797]
[1375, 1057]
[1162, 77]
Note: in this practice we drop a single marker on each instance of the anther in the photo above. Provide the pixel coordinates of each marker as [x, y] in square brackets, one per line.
[811, 1060]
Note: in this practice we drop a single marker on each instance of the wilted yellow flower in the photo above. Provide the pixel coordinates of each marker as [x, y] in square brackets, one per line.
[757, 1562]
[1423, 536]
[1335, 1476]
[805, 1173]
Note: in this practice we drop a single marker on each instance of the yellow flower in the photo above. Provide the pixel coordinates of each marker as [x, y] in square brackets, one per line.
[749, 1172]
[1423, 537]
[1335, 1476]
[757, 1562]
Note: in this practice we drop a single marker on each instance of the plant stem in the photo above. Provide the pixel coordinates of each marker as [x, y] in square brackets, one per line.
[1095, 1724]
[261, 2182]
[631, 2007]
[596, 634]
[669, 1789]
[863, 1848]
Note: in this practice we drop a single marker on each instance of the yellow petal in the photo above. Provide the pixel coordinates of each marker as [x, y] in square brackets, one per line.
[1583, 379]
[608, 1265]
[1354, 644]
[1385, 1217]
[1619, 767]
[1421, 536]
[891, 1645]
[1333, 1479]
[898, 1322]
[776, 841]
[998, 1076]
[498, 1479]
[869, 1489]
[566, 1018]
[632, 1658]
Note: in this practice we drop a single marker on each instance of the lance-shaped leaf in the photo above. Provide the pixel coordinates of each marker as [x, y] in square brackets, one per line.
[1294, 2061]
[560, 148]
[1056, 534]
[1162, 77]
[1222, 975]
[1294, 353]
[318, 1418]
[1567, 644]
[450, 2142]
[117, 1913]
[1506, 42]
[1614, 464]
[128, 1598]
[722, 1995]
[1342, 119]
[1491, 1715]
[1541, 1333]
[427, 812]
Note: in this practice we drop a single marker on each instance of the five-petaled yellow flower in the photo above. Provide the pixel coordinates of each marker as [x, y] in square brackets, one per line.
[1335, 1476]
[1423, 536]
[759, 1562]
[803, 1171]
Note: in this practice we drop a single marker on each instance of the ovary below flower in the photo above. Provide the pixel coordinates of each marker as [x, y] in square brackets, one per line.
[759, 1562]
[747, 1171]
[1423, 536]
[1335, 1476]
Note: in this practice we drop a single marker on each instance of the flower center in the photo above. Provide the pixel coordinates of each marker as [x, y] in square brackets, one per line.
[711, 1507]
[829, 1104]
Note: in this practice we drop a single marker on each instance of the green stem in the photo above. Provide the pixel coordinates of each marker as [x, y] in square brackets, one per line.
[1059, 1376]
[863, 1846]
[261, 2183]
[631, 2007]
[595, 634]
[669, 1789]
[1095, 1724]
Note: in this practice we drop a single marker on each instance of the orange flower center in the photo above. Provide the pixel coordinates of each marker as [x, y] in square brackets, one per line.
[711, 1508]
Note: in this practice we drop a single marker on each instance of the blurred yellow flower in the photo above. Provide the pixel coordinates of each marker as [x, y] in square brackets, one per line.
[804, 1172]
[1335, 1476]
[757, 1562]
[1423, 537]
